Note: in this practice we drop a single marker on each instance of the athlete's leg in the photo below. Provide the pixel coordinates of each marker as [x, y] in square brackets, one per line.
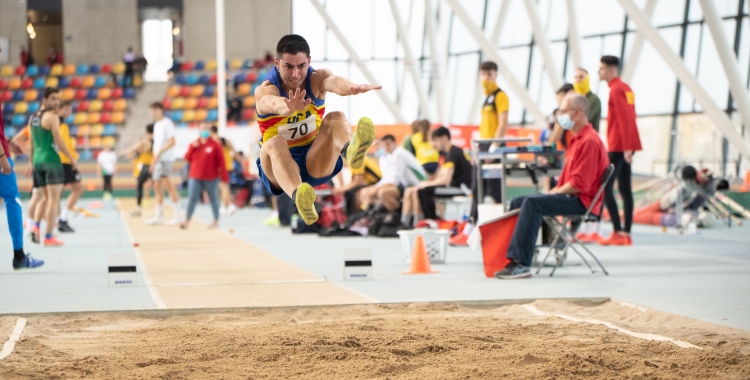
[76, 190]
[278, 165]
[389, 197]
[9, 194]
[36, 197]
[175, 198]
[407, 209]
[334, 133]
[226, 197]
[212, 188]
[54, 193]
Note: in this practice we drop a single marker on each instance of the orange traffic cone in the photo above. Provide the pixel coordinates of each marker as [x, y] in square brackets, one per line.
[420, 261]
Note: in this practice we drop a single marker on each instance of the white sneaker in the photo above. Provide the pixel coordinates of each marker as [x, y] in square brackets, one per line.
[231, 209]
[153, 221]
[222, 210]
[174, 221]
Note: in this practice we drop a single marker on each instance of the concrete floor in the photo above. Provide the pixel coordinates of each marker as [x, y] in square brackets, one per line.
[705, 276]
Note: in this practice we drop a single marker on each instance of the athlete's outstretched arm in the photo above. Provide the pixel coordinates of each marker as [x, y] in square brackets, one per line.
[342, 86]
[268, 101]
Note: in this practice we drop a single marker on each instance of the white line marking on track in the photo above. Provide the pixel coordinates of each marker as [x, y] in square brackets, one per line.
[645, 336]
[151, 289]
[14, 336]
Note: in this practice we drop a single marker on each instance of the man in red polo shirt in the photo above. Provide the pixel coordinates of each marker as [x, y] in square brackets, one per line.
[622, 141]
[586, 161]
[207, 168]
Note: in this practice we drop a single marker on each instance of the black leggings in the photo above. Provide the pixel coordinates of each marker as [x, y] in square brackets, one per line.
[623, 176]
[108, 183]
[143, 176]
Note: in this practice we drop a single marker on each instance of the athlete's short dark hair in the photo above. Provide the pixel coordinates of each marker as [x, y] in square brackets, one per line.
[49, 91]
[488, 66]
[388, 138]
[292, 44]
[441, 132]
[610, 60]
[157, 105]
[567, 87]
[214, 129]
[150, 128]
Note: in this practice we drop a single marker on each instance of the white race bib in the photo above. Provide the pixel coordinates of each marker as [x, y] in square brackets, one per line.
[298, 130]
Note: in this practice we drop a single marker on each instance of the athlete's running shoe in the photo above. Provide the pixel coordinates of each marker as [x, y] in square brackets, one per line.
[305, 200]
[27, 262]
[53, 242]
[35, 235]
[364, 135]
[272, 221]
[64, 227]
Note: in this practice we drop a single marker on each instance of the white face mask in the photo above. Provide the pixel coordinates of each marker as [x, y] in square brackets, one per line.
[565, 122]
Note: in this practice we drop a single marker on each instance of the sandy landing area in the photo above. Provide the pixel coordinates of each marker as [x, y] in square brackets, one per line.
[421, 341]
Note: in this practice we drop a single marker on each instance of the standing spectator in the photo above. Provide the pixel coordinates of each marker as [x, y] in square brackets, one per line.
[26, 58]
[162, 162]
[418, 143]
[107, 162]
[207, 168]
[54, 56]
[622, 141]
[235, 110]
[129, 59]
[581, 86]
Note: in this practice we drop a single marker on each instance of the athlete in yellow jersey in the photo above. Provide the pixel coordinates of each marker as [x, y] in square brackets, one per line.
[227, 207]
[142, 154]
[72, 177]
[299, 147]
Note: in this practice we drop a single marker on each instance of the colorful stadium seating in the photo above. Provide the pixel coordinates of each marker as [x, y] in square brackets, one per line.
[6, 71]
[69, 69]
[56, 70]
[31, 95]
[32, 70]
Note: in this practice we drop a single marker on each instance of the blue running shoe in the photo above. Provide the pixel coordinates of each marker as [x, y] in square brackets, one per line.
[514, 270]
[28, 262]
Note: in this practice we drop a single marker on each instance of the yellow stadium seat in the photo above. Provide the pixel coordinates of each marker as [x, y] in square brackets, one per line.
[178, 103]
[95, 105]
[88, 81]
[188, 115]
[118, 68]
[80, 118]
[118, 117]
[190, 103]
[97, 130]
[212, 103]
[84, 130]
[108, 141]
[210, 65]
[197, 90]
[22, 107]
[243, 89]
[137, 81]
[173, 91]
[235, 64]
[120, 105]
[6, 71]
[93, 117]
[249, 101]
[56, 70]
[14, 84]
[95, 142]
[104, 93]
[70, 69]
[200, 115]
[30, 95]
[67, 94]
[52, 82]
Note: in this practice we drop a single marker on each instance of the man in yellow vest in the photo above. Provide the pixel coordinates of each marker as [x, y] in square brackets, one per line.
[72, 176]
[494, 125]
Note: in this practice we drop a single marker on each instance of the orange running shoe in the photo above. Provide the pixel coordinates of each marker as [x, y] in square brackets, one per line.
[53, 242]
[459, 240]
[617, 239]
[35, 235]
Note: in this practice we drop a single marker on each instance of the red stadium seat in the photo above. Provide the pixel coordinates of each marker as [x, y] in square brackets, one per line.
[105, 118]
[27, 83]
[106, 68]
[248, 114]
[187, 66]
[3, 84]
[202, 102]
[75, 82]
[81, 94]
[6, 96]
[214, 79]
[117, 93]
[167, 103]
[252, 76]
[108, 105]
[83, 106]
[185, 91]
[20, 70]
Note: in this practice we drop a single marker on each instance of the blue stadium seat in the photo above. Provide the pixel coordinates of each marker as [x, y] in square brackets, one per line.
[92, 94]
[63, 82]
[110, 130]
[40, 82]
[19, 120]
[203, 79]
[209, 91]
[121, 81]
[100, 81]
[32, 70]
[7, 119]
[199, 66]
[248, 64]
[87, 155]
[176, 115]
[191, 79]
[34, 107]
[10, 131]
[239, 78]
[128, 93]
[9, 107]
[82, 69]
[44, 70]
[73, 130]
[213, 115]
[180, 79]
[94, 69]
[70, 119]
[18, 95]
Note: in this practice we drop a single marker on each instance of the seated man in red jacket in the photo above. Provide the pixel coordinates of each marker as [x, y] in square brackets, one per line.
[207, 168]
[586, 161]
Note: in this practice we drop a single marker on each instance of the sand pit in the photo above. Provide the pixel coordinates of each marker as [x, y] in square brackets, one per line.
[375, 341]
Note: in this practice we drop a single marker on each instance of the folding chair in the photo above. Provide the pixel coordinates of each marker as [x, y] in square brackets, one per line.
[562, 234]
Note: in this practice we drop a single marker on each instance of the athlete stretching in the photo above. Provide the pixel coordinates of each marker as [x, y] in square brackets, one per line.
[299, 147]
